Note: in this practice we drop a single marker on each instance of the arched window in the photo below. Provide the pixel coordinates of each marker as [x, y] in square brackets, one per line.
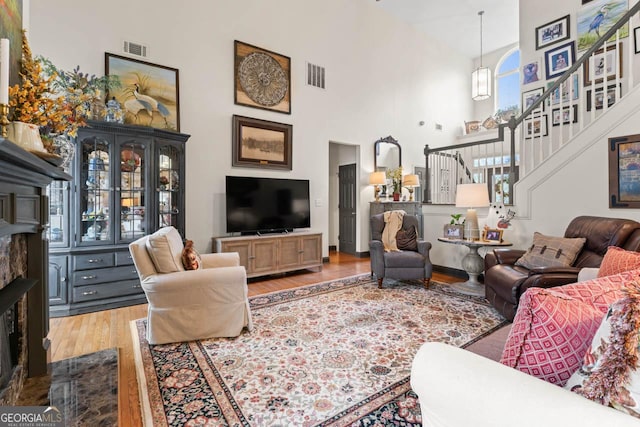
[507, 83]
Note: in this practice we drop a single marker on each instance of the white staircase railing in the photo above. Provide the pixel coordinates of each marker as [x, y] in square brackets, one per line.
[580, 96]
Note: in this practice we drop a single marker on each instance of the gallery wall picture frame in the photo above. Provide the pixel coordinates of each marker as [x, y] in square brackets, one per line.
[613, 95]
[568, 115]
[553, 32]
[636, 40]
[624, 172]
[149, 93]
[594, 68]
[536, 127]
[530, 72]
[531, 96]
[561, 93]
[595, 18]
[262, 78]
[559, 59]
[261, 143]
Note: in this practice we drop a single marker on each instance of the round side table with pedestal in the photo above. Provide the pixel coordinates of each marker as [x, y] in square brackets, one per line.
[472, 264]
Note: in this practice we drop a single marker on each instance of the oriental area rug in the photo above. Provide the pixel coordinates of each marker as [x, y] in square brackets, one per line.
[335, 353]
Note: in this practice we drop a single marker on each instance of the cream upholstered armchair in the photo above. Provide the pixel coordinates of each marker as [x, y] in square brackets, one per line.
[186, 305]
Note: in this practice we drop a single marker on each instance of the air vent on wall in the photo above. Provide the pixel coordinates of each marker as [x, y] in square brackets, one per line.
[133, 48]
[315, 75]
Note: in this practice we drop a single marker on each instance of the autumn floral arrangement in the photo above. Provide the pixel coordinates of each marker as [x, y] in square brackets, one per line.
[55, 100]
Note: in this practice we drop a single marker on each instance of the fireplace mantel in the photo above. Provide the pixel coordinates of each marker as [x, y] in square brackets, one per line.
[24, 210]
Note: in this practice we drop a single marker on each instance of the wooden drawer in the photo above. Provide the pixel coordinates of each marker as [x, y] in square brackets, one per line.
[102, 275]
[106, 290]
[124, 258]
[85, 262]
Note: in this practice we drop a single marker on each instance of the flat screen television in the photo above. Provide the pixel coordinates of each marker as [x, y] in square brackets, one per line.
[266, 205]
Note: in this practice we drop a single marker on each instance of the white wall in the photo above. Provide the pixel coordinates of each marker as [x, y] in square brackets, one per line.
[382, 79]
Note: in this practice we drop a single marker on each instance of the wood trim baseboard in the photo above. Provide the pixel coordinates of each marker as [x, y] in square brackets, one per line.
[450, 271]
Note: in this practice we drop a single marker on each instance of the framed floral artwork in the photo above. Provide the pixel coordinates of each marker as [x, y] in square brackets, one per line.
[149, 93]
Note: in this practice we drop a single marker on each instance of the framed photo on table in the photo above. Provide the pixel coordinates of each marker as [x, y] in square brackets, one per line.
[454, 231]
[261, 143]
[492, 235]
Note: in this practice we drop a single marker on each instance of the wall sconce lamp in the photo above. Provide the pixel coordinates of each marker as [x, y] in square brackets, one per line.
[410, 181]
[472, 196]
[376, 179]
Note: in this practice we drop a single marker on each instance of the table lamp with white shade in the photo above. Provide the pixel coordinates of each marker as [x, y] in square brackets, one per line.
[472, 196]
[376, 179]
[410, 181]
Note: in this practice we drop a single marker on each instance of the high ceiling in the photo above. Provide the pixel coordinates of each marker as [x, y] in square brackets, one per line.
[456, 22]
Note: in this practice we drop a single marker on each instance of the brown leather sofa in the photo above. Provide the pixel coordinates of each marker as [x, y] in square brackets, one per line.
[505, 282]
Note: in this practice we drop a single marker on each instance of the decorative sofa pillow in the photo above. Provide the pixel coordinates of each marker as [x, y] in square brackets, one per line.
[407, 240]
[190, 257]
[549, 251]
[554, 327]
[617, 260]
[165, 250]
[609, 372]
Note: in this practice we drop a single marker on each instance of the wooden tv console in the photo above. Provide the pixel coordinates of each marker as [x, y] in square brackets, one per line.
[274, 253]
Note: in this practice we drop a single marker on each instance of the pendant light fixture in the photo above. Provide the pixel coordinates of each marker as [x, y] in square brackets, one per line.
[481, 77]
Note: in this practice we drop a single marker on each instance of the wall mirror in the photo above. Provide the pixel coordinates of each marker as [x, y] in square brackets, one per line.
[387, 154]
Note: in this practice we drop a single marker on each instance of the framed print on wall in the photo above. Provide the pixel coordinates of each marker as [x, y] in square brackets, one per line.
[262, 79]
[597, 17]
[559, 60]
[536, 127]
[553, 32]
[594, 68]
[149, 93]
[636, 42]
[531, 96]
[569, 115]
[624, 172]
[612, 95]
[562, 92]
[261, 143]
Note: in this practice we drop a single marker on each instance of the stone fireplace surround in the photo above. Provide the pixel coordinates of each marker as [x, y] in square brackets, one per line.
[24, 261]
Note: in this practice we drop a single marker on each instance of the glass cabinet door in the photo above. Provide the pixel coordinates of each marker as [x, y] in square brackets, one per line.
[133, 197]
[58, 231]
[95, 190]
[168, 188]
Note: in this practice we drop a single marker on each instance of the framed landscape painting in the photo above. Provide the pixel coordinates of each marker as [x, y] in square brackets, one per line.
[624, 172]
[149, 94]
[261, 143]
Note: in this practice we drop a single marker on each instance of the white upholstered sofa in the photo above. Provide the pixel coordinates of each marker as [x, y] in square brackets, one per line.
[458, 388]
[186, 305]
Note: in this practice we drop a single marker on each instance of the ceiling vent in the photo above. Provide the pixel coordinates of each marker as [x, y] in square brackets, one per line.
[315, 75]
[136, 49]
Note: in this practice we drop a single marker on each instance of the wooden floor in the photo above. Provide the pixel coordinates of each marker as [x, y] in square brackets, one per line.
[76, 335]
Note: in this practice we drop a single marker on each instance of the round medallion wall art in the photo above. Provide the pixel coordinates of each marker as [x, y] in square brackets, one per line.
[263, 79]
